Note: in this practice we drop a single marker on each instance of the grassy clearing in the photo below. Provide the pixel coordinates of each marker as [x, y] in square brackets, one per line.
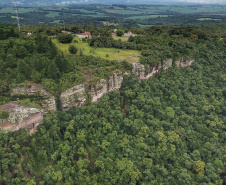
[143, 17]
[20, 10]
[145, 26]
[53, 14]
[14, 17]
[122, 11]
[105, 53]
[124, 39]
[56, 21]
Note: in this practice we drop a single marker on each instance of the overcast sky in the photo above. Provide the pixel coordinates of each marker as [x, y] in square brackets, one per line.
[203, 1]
[142, 1]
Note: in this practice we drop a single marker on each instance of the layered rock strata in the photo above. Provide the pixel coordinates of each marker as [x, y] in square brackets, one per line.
[76, 96]
[20, 117]
[30, 118]
[36, 91]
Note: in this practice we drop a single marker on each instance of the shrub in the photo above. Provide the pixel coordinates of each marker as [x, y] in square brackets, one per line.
[4, 115]
[65, 38]
[72, 49]
[119, 33]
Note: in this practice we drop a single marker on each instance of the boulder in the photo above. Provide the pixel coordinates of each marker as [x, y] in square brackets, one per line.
[20, 117]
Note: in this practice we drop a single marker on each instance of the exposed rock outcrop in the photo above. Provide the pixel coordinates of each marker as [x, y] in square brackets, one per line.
[37, 92]
[20, 117]
[184, 63]
[30, 118]
[76, 96]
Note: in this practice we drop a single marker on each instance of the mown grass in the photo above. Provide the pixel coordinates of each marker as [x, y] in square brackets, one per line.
[124, 39]
[105, 53]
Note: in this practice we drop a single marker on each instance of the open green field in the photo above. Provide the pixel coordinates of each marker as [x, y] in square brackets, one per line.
[145, 26]
[122, 11]
[143, 17]
[53, 14]
[124, 39]
[20, 10]
[163, 9]
[56, 21]
[14, 17]
[113, 53]
[91, 15]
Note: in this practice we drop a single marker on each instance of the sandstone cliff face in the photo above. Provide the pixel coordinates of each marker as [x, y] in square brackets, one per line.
[104, 86]
[76, 96]
[20, 117]
[46, 100]
[30, 118]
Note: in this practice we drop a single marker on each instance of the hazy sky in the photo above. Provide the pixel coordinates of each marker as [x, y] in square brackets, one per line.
[203, 1]
[143, 1]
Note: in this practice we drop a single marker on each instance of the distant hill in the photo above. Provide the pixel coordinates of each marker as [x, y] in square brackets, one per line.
[29, 3]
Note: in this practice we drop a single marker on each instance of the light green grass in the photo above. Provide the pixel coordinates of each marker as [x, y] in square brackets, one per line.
[124, 39]
[113, 53]
[53, 14]
[143, 17]
[20, 10]
[122, 11]
[14, 17]
[90, 15]
[145, 26]
[56, 21]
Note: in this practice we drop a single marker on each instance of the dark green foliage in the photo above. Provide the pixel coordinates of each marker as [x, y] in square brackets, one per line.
[119, 33]
[4, 114]
[53, 71]
[72, 49]
[165, 130]
[7, 30]
[65, 38]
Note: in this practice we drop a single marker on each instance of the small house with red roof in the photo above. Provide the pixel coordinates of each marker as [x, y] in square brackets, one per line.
[67, 32]
[84, 35]
[129, 32]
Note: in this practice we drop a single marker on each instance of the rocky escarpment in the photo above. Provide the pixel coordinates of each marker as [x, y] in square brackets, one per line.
[77, 95]
[38, 94]
[20, 117]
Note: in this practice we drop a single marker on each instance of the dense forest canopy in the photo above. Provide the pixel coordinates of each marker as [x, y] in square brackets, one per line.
[169, 129]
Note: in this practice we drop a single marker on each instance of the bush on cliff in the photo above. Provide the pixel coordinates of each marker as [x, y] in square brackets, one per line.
[4, 115]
